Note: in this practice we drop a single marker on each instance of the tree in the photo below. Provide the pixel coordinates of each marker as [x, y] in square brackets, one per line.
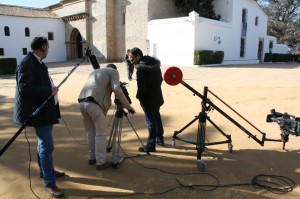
[205, 8]
[284, 21]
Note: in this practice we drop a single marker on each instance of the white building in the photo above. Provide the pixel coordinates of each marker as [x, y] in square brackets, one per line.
[19, 25]
[241, 33]
[109, 27]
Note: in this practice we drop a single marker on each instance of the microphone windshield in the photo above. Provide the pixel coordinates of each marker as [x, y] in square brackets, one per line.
[92, 58]
[94, 62]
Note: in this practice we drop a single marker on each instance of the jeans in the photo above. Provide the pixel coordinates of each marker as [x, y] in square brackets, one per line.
[95, 123]
[44, 154]
[154, 124]
[130, 69]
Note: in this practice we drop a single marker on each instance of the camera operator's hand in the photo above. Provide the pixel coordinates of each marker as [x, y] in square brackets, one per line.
[131, 110]
[54, 91]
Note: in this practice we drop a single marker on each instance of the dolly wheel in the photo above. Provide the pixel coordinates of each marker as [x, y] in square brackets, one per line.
[230, 146]
[201, 165]
[173, 143]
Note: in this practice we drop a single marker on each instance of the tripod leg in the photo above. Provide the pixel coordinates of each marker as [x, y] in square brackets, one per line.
[201, 141]
[135, 131]
[112, 132]
[117, 158]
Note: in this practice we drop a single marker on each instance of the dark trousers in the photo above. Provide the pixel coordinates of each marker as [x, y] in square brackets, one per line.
[130, 69]
[154, 124]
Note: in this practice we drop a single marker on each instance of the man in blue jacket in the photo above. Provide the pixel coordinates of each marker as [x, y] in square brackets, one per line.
[149, 93]
[33, 87]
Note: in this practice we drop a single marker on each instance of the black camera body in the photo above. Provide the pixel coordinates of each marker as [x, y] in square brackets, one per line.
[124, 89]
[289, 124]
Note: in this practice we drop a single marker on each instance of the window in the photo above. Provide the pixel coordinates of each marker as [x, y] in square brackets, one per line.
[6, 31]
[244, 23]
[24, 51]
[27, 32]
[256, 21]
[244, 15]
[242, 50]
[1, 51]
[244, 30]
[50, 36]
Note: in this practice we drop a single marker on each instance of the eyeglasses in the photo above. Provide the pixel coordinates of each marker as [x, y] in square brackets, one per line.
[132, 59]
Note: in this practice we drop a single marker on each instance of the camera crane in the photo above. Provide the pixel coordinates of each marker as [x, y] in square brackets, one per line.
[288, 123]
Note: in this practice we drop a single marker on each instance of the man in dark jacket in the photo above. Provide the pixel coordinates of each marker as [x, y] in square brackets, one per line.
[149, 93]
[129, 65]
[33, 87]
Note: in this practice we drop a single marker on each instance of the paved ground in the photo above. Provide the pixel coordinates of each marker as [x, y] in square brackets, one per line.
[251, 90]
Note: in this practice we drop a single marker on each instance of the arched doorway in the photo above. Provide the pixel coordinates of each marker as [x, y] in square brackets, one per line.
[260, 56]
[79, 45]
[76, 44]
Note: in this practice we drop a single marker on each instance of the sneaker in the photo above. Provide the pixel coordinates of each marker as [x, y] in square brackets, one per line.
[54, 191]
[92, 161]
[57, 174]
[147, 149]
[103, 166]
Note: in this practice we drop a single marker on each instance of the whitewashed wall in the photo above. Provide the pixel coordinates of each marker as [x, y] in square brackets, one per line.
[13, 45]
[174, 40]
[281, 49]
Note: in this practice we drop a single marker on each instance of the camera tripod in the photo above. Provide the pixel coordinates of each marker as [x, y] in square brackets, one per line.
[114, 142]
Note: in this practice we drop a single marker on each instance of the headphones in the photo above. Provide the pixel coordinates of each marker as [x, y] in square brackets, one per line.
[43, 47]
[39, 42]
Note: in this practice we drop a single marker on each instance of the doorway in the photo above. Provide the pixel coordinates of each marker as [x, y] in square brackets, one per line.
[76, 44]
[260, 56]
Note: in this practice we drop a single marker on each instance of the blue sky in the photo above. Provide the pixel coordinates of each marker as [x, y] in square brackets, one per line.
[30, 3]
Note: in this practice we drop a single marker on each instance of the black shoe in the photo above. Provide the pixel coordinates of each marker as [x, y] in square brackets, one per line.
[57, 174]
[54, 191]
[92, 161]
[160, 142]
[147, 149]
[103, 166]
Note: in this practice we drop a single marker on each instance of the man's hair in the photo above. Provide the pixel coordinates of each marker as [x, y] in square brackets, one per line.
[111, 66]
[136, 51]
[39, 42]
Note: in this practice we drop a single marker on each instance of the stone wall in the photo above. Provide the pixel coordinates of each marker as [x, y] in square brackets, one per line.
[112, 26]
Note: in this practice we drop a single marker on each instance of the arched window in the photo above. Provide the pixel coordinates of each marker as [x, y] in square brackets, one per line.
[6, 31]
[27, 32]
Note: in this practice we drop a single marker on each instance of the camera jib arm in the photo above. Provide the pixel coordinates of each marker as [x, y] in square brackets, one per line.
[206, 101]
[173, 76]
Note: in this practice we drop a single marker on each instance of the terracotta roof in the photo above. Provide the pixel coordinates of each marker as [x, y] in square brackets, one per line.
[20, 11]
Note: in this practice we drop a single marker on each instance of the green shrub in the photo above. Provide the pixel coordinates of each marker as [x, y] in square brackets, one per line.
[276, 57]
[203, 57]
[8, 65]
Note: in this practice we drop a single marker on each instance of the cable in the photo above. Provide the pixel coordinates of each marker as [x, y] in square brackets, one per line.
[279, 185]
[273, 183]
[235, 111]
[29, 165]
[66, 125]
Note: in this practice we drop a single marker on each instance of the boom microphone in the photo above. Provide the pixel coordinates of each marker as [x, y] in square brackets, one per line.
[92, 58]
[34, 114]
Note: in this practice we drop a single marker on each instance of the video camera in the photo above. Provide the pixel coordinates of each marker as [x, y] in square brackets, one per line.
[289, 124]
[124, 89]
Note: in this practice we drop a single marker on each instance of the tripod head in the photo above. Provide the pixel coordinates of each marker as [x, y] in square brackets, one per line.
[289, 124]
[117, 101]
